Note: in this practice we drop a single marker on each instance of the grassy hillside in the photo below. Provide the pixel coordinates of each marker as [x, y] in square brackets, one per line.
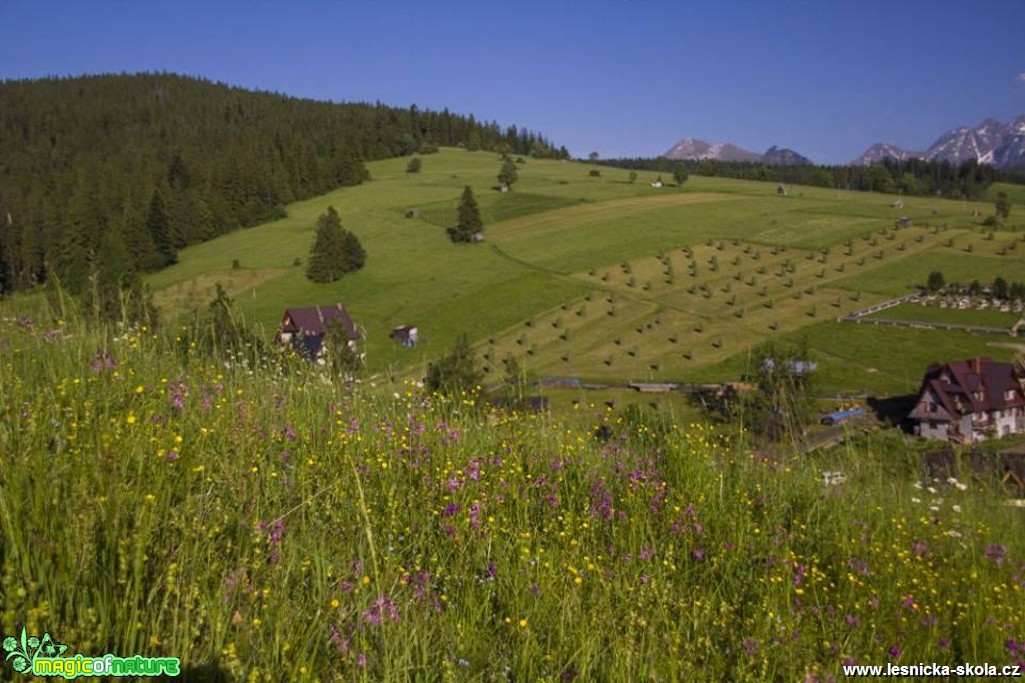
[264, 525]
[598, 277]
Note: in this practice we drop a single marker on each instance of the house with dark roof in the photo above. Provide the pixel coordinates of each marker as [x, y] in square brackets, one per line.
[407, 335]
[304, 329]
[970, 400]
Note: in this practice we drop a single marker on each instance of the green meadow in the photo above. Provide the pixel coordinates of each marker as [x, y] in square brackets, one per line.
[598, 277]
[261, 524]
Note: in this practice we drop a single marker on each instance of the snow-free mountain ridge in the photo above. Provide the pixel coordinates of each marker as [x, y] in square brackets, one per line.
[692, 148]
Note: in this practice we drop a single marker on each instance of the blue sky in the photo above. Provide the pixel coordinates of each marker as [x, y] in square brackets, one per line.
[623, 78]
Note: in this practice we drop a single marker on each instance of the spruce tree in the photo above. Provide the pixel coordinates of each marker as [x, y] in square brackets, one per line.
[158, 223]
[1003, 206]
[456, 371]
[354, 254]
[470, 222]
[328, 256]
[679, 173]
[113, 276]
[508, 175]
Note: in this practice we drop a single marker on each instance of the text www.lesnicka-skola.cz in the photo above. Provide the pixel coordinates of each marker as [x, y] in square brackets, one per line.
[926, 670]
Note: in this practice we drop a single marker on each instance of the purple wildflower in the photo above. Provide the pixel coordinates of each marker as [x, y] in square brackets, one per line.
[1016, 650]
[996, 552]
[103, 361]
[601, 501]
[343, 644]
[382, 609]
[750, 646]
[274, 538]
[799, 572]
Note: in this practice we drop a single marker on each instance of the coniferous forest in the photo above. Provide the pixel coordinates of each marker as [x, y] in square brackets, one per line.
[911, 177]
[104, 177]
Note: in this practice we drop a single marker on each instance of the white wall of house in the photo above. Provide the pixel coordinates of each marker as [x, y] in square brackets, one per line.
[1008, 421]
[933, 429]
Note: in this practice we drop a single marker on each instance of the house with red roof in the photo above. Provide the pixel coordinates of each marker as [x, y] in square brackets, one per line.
[304, 329]
[971, 400]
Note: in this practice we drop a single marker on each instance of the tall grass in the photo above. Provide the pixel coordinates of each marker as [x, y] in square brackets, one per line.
[264, 524]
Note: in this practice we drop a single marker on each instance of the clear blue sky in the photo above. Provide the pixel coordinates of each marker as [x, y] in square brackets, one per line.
[623, 78]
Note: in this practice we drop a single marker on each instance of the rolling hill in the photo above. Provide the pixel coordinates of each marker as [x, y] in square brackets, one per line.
[604, 279]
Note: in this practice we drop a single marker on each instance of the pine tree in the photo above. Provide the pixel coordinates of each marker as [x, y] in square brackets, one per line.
[470, 223]
[508, 175]
[328, 257]
[158, 223]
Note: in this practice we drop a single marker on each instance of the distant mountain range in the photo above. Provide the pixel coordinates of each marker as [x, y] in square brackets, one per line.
[692, 148]
[991, 142]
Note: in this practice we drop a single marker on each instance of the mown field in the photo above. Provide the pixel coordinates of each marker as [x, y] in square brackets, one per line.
[263, 524]
[955, 316]
[597, 277]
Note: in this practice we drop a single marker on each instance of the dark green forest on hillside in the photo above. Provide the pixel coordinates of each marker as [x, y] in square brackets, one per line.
[912, 177]
[102, 177]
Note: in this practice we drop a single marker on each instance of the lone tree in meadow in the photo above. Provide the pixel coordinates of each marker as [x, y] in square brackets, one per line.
[456, 371]
[679, 174]
[508, 175]
[353, 252]
[1003, 206]
[470, 223]
[335, 251]
[414, 165]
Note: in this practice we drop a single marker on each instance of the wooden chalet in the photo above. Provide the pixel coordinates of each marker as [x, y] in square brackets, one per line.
[970, 400]
[303, 329]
